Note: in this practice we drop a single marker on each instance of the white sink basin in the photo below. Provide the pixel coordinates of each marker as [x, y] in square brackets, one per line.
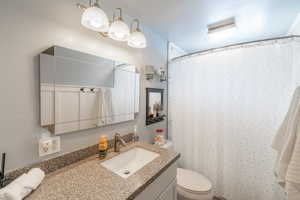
[129, 162]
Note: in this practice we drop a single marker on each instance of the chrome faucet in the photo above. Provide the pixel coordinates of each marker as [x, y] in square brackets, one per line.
[117, 141]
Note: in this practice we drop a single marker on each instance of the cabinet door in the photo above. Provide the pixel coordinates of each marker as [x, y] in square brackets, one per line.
[161, 188]
[47, 105]
[170, 192]
[89, 107]
[66, 109]
[123, 96]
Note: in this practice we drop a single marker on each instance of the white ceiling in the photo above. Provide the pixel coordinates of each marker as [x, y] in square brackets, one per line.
[184, 21]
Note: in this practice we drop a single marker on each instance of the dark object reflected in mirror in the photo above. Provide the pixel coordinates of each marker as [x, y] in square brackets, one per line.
[154, 105]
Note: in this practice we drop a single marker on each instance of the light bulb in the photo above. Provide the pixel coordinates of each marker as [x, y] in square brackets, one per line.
[137, 40]
[119, 35]
[119, 31]
[94, 18]
[95, 23]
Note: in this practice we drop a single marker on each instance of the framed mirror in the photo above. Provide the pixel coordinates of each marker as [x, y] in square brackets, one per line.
[154, 105]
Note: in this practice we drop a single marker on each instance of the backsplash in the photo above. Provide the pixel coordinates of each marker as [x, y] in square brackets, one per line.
[54, 164]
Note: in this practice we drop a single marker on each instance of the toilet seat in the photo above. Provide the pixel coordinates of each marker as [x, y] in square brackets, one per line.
[191, 196]
[192, 182]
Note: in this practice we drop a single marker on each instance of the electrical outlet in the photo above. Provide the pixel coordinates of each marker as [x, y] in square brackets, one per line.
[46, 146]
[49, 145]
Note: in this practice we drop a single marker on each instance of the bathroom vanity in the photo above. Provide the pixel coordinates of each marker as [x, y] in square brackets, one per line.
[140, 171]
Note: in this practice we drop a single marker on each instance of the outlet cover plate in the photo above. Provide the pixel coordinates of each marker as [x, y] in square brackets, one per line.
[49, 145]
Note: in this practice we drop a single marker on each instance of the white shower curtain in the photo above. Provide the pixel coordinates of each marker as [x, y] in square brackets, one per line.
[225, 108]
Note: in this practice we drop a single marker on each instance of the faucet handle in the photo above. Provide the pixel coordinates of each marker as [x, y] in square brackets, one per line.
[118, 136]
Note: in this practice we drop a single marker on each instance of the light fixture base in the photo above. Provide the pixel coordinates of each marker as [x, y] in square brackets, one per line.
[221, 25]
[104, 34]
[80, 6]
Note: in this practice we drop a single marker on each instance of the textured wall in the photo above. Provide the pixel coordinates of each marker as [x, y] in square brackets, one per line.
[28, 28]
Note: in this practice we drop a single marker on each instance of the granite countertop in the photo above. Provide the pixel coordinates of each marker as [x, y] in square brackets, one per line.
[88, 180]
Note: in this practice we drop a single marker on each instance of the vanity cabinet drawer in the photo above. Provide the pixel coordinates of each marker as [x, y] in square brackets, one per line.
[161, 187]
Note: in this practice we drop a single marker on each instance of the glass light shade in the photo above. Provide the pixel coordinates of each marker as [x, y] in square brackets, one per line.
[137, 40]
[119, 31]
[94, 18]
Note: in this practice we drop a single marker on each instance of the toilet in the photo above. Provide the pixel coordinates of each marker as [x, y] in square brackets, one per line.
[191, 185]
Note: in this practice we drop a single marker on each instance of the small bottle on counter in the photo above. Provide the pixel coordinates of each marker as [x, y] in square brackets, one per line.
[135, 137]
[159, 138]
[102, 147]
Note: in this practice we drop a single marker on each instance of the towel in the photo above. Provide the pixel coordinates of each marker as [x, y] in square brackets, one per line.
[2, 192]
[101, 106]
[107, 109]
[16, 189]
[287, 145]
[34, 178]
[23, 185]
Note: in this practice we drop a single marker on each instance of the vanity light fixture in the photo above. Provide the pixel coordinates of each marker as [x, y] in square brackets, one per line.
[118, 29]
[221, 25]
[94, 17]
[136, 39]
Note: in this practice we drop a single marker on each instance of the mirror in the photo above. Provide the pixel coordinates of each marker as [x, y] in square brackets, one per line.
[81, 91]
[154, 105]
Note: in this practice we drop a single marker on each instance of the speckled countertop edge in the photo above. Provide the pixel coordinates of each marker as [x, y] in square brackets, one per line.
[88, 180]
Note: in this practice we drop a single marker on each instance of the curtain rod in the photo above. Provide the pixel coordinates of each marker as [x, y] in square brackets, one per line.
[231, 46]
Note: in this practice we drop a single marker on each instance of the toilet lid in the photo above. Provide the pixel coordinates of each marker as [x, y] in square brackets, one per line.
[192, 181]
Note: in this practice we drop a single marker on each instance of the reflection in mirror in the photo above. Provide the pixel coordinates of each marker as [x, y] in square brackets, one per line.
[81, 91]
[154, 106]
